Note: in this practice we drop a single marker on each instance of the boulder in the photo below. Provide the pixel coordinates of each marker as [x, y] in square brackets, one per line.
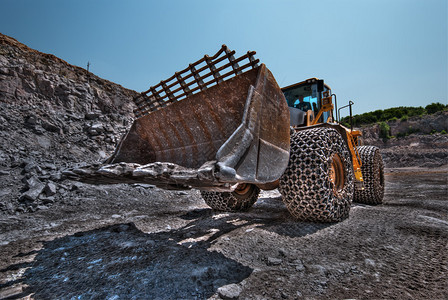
[230, 291]
[50, 188]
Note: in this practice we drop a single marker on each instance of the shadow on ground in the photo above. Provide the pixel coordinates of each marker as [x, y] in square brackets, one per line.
[121, 261]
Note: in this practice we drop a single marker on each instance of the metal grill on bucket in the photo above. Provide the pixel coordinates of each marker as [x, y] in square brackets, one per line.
[197, 77]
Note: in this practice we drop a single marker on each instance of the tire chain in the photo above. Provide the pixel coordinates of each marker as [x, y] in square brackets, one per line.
[373, 174]
[229, 201]
[306, 187]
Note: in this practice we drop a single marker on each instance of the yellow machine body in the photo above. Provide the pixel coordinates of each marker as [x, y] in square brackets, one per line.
[320, 113]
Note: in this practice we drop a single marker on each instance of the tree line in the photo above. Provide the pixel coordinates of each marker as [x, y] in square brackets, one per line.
[393, 114]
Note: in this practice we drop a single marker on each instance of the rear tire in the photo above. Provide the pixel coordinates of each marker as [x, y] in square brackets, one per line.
[373, 174]
[318, 183]
[242, 198]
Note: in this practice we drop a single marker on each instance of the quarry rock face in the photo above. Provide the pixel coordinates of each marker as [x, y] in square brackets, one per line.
[419, 141]
[52, 115]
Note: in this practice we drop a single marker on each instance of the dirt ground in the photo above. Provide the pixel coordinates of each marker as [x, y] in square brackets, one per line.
[141, 242]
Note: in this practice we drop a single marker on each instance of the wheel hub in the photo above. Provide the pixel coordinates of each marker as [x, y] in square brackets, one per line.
[242, 189]
[337, 174]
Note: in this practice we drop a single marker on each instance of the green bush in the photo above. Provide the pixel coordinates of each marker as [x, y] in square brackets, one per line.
[392, 114]
[435, 107]
[384, 131]
[443, 132]
[346, 124]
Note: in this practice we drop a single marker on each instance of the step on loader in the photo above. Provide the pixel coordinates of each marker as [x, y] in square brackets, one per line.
[225, 127]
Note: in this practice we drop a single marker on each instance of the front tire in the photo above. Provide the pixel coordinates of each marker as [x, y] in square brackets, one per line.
[373, 174]
[318, 183]
[241, 199]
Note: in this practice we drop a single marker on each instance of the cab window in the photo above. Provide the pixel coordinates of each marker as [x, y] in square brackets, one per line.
[303, 97]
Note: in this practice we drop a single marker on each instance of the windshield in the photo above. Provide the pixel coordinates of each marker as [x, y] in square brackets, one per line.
[303, 97]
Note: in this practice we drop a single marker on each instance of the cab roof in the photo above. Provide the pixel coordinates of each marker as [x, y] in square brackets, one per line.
[305, 82]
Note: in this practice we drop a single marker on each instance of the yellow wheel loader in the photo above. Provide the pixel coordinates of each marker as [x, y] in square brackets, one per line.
[224, 126]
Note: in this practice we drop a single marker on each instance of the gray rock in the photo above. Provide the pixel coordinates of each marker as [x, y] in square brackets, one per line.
[6, 71]
[38, 169]
[45, 86]
[44, 142]
[31, 182]
[299, 265]
[61, 89]
[48, 200]
[8, 87]
[3, 173]
[95, 129]
[143, 185]
[33, 193]
[102, 154]
[50, 189]
[109, 128]
[230, 291]
[282, 252]
[56, 176]
[39, 130]
[76, 186]
[5, 191]
[92, 115]
[272, 261]
[316, 269]
[69, 101]
[44, 177]
[50, 127]
[9, 207]
[20, 209]
[31, 120]
[21, 94]
[49, 166]
[369, 262]
[42, 207]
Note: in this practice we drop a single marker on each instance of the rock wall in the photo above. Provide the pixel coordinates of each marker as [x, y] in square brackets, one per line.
[54, 105]
[52, 115]
[416, 142]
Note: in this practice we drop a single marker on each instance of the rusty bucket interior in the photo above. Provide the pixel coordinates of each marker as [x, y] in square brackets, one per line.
[236, 124]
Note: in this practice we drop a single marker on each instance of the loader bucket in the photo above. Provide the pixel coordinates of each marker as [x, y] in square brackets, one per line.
[230, 131]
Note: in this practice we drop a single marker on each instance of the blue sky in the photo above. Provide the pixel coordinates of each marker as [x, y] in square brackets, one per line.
[377, 53]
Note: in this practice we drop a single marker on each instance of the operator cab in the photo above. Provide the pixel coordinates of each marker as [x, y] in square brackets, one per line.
[305, 101]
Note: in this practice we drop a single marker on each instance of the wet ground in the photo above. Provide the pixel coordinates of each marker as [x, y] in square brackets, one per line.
[140, 242]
